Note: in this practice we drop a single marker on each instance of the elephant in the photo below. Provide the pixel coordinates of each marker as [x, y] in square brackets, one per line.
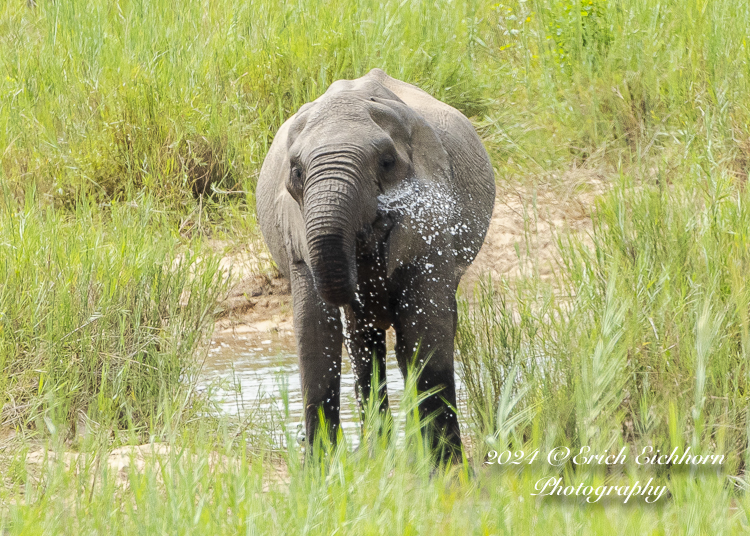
[373, 200]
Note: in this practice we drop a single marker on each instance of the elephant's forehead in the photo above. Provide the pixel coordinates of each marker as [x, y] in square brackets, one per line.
[351, 96]
[327, 122]
[345, 120]
[338, 107]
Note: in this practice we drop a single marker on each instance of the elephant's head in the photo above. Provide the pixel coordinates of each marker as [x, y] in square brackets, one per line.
[355, 143]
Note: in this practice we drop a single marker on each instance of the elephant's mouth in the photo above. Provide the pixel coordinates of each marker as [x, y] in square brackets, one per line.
[373, 237]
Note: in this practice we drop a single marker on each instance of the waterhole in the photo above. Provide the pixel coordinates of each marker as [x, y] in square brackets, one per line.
[245, 373]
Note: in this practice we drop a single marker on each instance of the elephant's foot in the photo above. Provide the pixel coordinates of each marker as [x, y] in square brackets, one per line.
[321, 427]
[442, 430]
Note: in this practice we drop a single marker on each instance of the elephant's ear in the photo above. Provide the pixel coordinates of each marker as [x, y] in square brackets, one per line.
[429, 157]
[420, 224]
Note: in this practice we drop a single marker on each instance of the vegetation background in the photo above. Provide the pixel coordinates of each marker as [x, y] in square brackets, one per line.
[132, 131]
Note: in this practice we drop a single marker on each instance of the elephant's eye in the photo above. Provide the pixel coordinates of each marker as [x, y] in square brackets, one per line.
[387, 161]
[295, 183]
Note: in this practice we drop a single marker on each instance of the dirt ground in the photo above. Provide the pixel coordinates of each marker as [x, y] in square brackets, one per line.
[520, 239]
[123, 461]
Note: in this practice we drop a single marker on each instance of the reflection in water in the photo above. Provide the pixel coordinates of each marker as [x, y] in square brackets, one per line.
[246, 372]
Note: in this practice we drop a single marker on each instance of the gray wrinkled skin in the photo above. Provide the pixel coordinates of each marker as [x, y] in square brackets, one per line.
[373, 200]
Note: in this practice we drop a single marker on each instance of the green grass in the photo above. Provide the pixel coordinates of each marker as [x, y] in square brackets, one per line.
[107, 96]
[115, 116]
[100, 312]
[641, 340]
[209, 484]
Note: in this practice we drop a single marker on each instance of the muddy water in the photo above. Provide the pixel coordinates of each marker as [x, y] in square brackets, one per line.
[247, 372]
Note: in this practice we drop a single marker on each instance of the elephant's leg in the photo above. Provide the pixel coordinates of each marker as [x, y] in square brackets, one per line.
[426, 321]
[366, 346]
[317, 327]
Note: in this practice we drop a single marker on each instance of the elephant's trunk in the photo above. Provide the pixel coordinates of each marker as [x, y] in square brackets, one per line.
[332, 260]
[331, 221]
